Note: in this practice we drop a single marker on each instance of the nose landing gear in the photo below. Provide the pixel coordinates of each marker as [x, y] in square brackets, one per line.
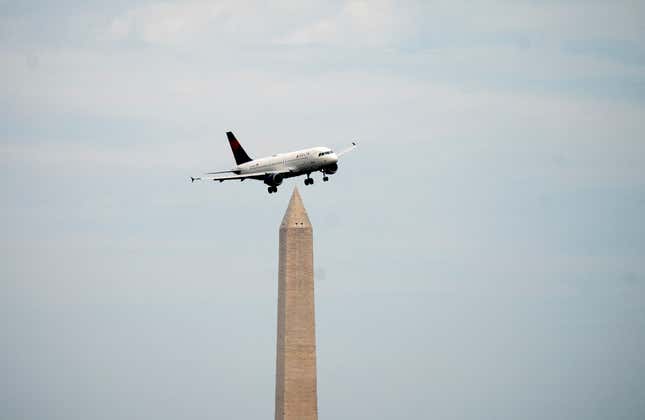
[272, 190]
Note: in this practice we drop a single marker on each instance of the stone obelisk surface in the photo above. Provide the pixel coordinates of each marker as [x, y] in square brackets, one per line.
[295, 388]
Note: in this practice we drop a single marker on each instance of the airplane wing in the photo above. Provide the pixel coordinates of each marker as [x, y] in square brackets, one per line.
[346, 150]
[241, 177]
[230, 171]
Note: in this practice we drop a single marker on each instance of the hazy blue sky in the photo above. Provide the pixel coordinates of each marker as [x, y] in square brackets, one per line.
[481, 256]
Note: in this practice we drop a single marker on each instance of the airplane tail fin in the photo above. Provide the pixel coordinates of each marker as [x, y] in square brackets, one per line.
[238, 152]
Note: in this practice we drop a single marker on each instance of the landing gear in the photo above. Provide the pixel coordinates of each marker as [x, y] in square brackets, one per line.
[309, 181]
[272, 190]
[325, 178]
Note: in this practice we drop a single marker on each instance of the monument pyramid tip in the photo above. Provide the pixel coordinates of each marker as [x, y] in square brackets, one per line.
[296, 215]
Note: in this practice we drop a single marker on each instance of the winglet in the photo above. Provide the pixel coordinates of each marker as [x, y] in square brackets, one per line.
[347, 150]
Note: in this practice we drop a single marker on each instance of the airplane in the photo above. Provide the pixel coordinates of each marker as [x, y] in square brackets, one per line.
[274, 169]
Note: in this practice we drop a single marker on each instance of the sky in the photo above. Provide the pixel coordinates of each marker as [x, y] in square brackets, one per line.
[481, 255]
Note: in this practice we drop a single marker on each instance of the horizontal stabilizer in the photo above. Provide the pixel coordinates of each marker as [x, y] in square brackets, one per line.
[220, 172]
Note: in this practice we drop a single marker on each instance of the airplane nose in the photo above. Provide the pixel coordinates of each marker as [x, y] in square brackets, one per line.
[333, 158]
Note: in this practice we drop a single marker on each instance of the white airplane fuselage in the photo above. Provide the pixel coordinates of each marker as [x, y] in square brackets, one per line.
[293, 163]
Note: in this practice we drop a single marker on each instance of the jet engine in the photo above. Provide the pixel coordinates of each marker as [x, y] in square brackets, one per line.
[273, 180]
[331, 169]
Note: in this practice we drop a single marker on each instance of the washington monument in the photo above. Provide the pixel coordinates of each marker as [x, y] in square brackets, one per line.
[295, 386]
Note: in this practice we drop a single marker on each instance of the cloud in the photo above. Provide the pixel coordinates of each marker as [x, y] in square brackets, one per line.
[352, 23]
[374, 23]
[204, 24]
[437, 23]
[165, 23]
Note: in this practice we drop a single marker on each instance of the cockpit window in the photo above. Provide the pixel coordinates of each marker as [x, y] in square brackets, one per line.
[325, 153]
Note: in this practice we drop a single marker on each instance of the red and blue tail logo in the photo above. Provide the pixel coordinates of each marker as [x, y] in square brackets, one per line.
[238, 152]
